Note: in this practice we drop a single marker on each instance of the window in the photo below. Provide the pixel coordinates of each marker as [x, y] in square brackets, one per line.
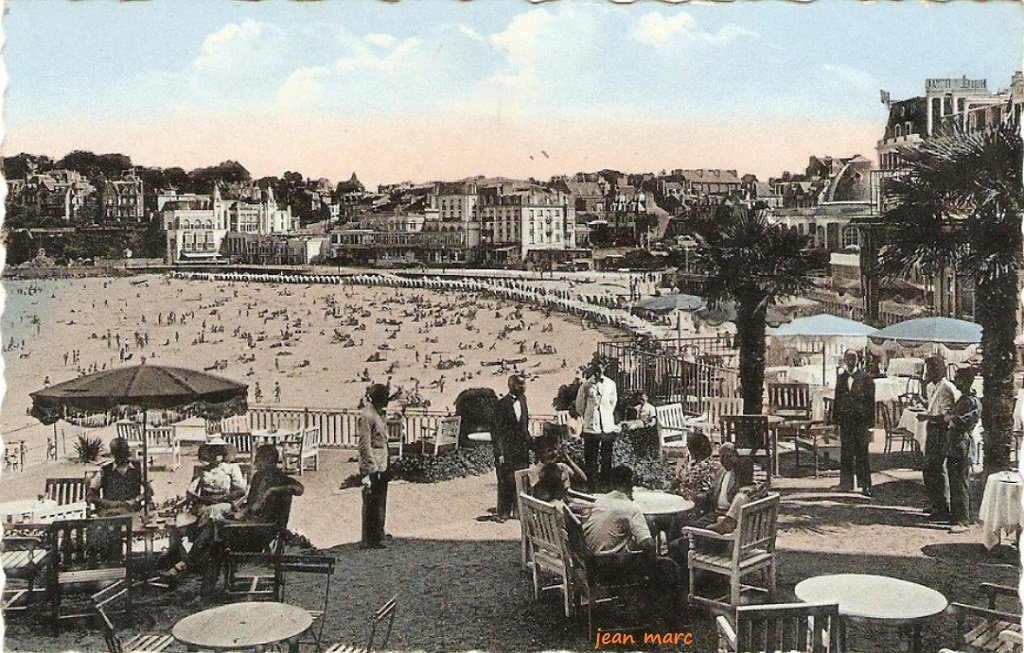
[851, 236]
[899, 130]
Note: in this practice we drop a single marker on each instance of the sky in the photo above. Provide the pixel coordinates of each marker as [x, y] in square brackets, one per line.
[438, 89]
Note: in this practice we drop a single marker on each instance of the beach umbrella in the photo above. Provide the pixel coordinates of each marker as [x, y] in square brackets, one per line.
[956, 340]
[824, 329]
[142, 387]
[726, 312]
[947, 331]
[673, 302]
[823, 325]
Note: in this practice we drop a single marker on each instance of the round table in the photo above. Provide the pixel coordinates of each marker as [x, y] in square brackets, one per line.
[868, 597]
[655, 504]
[1000, 506]
[483, 436]
[26, 508]
[242, 625]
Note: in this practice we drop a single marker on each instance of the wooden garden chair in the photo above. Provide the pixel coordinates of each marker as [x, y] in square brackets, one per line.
[86, 552]
[322, 565]
[546, 547]
[982, 629]
[382, 619]
[749, 434]
[781, 628]
[446, 434]
[142, 643]
[749, 549]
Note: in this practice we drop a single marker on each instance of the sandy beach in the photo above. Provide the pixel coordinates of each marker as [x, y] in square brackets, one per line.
[316, 343]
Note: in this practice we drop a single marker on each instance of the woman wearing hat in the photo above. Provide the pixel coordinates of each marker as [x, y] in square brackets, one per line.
[373, 464]
[214, 494]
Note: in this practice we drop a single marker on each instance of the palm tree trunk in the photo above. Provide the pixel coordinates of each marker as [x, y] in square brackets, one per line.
[751, 316]
[997, 314]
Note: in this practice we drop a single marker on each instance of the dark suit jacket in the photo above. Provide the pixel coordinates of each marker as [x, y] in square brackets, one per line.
[854, 407]
[509, 436]
[707, 503]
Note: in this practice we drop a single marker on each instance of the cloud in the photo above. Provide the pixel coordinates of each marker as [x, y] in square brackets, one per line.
[394, 57]
[659, 31]
[381, 40]
[852, 76]
[230, 46]
[520, 39]
[303, 87]
[472, 34]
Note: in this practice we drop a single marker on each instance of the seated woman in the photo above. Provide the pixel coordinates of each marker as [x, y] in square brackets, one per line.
[549, 452]
[213, 493]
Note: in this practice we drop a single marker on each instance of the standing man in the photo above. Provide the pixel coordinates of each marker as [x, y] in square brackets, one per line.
[373, 465]
[854, 413]
[510, 437]
[595, 403]
[942, 395]
[961, 422]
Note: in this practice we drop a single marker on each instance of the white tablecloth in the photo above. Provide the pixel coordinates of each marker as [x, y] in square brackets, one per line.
[1000, 507]
[905, 367]
[909, 421]
[889, 388]
[1018, 412]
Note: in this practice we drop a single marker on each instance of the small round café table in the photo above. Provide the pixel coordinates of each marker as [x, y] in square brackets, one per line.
[482, 436]
[866, 597]
[659, 508]
[252, 625]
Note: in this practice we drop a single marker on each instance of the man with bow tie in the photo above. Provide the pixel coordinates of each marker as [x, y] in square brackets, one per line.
[854, 413]
[510, 437]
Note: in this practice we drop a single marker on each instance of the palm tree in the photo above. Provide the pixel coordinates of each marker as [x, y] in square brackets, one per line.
[746, 258]
[959, 204]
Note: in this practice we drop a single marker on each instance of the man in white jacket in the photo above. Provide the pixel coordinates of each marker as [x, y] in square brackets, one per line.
[595, 402]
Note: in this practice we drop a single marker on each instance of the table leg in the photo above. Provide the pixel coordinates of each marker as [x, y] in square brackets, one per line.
[842, 636]
[916, 644]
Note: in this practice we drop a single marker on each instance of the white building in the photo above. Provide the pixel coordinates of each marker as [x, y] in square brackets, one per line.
[197, 224]
[517, 220]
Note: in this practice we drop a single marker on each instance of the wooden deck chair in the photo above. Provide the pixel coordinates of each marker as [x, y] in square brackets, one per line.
[297, 447]
[142, 643]
[308, 564]
[672, 430]
[791, 402]
[243, 544]
[163, 441]
[547, 543]
[26, 554]
[796, 627]
[382, 619]
[446, 434]
[982, 628]
[586, 586]
[65, 490]
[522, 477]
[749, 549]
[749, 434]
[85, 552]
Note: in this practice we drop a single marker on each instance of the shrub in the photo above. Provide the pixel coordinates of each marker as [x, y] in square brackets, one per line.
[88, 449]
[456, 463]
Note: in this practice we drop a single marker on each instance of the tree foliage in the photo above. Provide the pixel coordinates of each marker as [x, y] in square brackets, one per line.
[746, 258]
[960, 205]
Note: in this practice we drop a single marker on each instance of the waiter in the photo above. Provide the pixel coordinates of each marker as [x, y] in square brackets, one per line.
[373, 465]
[854, 413]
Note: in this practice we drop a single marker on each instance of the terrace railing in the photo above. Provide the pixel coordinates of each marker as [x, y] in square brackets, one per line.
[717, 345]
[338, 426]
[667, 378]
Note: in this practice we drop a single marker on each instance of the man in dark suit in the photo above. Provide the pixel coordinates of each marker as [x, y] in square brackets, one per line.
[510, 437]
[854, 414]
